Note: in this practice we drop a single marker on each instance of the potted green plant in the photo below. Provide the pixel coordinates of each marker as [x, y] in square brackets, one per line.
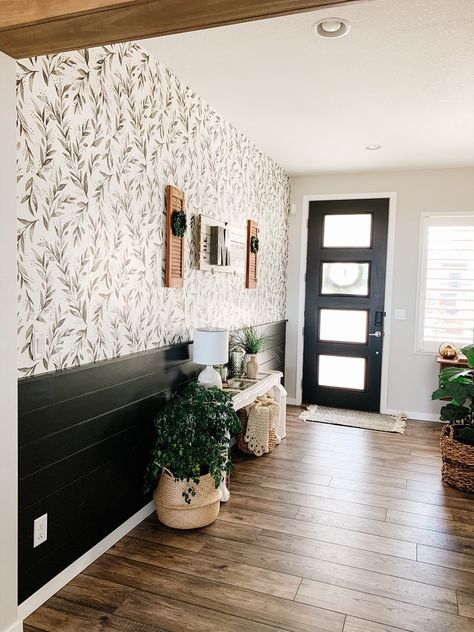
[457, 437]
[190, 455]
[252, 343]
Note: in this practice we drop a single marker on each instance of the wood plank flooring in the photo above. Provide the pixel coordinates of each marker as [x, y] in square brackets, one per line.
[338, 530]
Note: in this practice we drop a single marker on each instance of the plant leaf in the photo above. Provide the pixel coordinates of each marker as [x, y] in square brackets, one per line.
[469, 353]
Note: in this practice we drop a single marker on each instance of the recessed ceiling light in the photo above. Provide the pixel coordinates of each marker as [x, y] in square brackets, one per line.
[373, 147]
[332, 27]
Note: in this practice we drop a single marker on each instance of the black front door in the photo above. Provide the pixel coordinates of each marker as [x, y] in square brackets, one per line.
[344, 313]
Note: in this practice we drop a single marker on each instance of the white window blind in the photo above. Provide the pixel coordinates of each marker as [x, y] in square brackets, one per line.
[446, 281]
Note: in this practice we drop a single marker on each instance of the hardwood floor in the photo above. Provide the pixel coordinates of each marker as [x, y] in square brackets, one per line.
[338, 530]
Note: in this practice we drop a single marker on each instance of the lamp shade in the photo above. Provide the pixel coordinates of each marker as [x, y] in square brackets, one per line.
[211, 346]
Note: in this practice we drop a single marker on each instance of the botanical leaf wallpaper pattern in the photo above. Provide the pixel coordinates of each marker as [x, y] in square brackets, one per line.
[101, 132]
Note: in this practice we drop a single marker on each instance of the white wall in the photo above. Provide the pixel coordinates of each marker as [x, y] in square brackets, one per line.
[411, 376]
[8, 394]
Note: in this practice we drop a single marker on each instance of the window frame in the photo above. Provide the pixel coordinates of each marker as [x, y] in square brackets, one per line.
[427, 220]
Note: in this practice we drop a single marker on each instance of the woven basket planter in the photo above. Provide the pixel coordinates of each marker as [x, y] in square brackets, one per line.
[174, 512]
[242, 444]
[458, 461]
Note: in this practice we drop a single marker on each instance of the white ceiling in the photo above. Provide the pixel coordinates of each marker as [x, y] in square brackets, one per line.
[403, 78]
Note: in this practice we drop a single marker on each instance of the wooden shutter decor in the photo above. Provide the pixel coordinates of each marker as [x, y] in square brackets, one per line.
[174, 245]
[252, 257]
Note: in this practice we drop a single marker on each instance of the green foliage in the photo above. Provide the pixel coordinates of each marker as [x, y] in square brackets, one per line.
[457, 386]
[191, 437]
[249, 340]
[463, 376]
[469, 353]
[178, 223]
[465, 434]
[454, 413]
[254, 244]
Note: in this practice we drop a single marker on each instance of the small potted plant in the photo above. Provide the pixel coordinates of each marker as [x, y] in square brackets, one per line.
[252, 343]
[457, 437]
[190, 455]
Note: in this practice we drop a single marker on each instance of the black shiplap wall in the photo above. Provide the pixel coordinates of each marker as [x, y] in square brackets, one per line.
[84, 439]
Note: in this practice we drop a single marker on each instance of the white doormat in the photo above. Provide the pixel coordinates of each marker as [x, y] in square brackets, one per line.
[355, 418]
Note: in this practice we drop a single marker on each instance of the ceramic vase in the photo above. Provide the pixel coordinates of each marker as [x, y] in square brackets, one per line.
[253, 367]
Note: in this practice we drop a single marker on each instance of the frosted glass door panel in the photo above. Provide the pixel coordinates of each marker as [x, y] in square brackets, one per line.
[345, 278]
[347, 231]
[343, 325]
[342, 372]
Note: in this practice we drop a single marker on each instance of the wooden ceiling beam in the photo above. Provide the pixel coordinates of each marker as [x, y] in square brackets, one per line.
[29, 28]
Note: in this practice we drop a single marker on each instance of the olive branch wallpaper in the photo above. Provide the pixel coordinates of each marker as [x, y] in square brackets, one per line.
[101, 132]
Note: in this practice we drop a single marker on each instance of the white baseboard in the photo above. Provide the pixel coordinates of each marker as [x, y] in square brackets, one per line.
[411, 414]
[292, 401]
[48, 590]
[16, 627]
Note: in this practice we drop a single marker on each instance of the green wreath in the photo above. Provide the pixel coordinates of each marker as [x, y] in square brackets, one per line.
[178, 223]
[254, 245]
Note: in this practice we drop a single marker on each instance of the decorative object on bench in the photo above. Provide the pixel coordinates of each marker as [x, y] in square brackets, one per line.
[259, 423]
[457, 437]
[190, 456]
[238, 384]
[252, 343]
[237, 357]
[253, 247]
[448, 351]
[175, 230]
[210, 347]
[223, 372]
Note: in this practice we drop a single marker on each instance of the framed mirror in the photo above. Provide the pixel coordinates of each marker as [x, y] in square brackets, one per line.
[221, 246]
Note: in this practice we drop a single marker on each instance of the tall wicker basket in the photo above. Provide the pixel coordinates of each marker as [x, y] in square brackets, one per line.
[458, 461]
[174, 512]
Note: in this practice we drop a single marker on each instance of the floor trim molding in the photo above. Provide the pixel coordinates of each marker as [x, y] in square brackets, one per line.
[16, 627]
[416, 415]
[48, 590]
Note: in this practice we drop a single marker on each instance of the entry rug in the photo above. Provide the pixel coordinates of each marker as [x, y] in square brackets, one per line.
[355, 418]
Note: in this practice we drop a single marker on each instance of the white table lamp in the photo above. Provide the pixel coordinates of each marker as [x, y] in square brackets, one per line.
[211, 346]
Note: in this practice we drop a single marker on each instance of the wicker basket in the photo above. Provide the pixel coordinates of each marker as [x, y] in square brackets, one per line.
[458, 461]
[242, 444]
[173, 511]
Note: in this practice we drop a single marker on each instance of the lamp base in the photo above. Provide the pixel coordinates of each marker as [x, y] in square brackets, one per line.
[210, 377]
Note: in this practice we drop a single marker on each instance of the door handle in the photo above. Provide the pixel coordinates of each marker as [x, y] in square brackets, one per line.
[377, 334]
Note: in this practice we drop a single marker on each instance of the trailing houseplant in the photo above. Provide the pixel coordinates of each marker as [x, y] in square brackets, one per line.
[457, 438]
[190, 454]
[252, 343]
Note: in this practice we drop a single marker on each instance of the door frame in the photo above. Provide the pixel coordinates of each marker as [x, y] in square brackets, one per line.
[392, 210]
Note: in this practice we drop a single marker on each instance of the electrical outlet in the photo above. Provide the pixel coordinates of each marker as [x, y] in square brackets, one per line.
[40, 530]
